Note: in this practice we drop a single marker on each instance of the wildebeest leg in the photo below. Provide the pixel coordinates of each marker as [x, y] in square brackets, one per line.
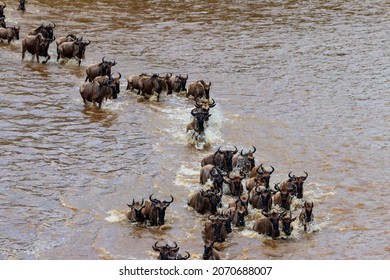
[79, 62]
[48, 57]
[37, 55]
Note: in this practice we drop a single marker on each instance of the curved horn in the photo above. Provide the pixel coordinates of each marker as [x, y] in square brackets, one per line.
[54, 25]
[169, 202]
[142, 202]
[258, 191]
[155, 247]
[186, 257]
[152, 199]
[306, 175]
[273, 169]
[241, 153]
[89, 42]
[103, 58]
[289, 175]
[258, 168]
[197, 105]
[265, 214]
[276, 186]
[114, 63]
[176, 246]
[236, 150]
[193, 112]
[211, 219]
[212, 104]
[254, 150]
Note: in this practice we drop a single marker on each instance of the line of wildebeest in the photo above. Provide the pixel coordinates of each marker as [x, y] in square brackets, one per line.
[225, 172]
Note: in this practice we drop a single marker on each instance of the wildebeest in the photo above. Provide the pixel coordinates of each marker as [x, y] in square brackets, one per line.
[74, 49]
[136, 213]
[2, 22]
[47, 30]
[67, 38]
[155, 210]
[206, 201]
[283, 197]
[204, 107]
[213, 173]
[215, 228]
[234, 181]
[168, 252]
[96, 92]
[221, 158]
[133, 82]
[286, 220]
[306, 216]
[244, 161]
[261, 198]
[36, 45]
[9, 34]
[209, 253]
[178, 83]
[242, 201]
[2, 7]
[297, 181]
[237, 214]
[114, 84]
[198, 122]
[154, 85]
[199, 89]
[269, 224]
[101, 69]
[22, 5]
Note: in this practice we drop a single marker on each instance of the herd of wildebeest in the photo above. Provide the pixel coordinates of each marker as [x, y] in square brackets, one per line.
[225, 172]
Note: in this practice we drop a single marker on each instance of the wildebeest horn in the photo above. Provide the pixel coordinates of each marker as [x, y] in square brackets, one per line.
[186, 257]
[153, 199]
[155, 247]
[260, 167]
[273, 169]
[289, 175]
[276, 186]
[197, 105]
[131, 206]
[212, 104]
[54, 25]
[258, 191]
[169, 202]
[89, 42]
[103, 58]
[306, 174]
[254, 150]
[236, 150]
[265, 214]
[193, 112]
[114, 63]
[241, 153]
[211, 219]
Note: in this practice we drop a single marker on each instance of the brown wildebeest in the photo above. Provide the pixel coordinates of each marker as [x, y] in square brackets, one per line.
[74, 49]
[209, 253]
[215, 228]
[168, 252]
[244, 161]
[206, 201]
[269, 225]
[306, 216]
[101, 69]
[133, 82]
[178, 83]
[96, 92]
[136, 213]
[297, 181]
[234, 181]
[155, 210]
[286, 220]
[67, 38]
[261, 198]
[154, 85]
[199, 89]
[9, 34]
[36, 45]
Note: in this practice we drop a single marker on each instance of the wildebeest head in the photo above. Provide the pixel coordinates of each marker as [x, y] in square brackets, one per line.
[183, 82]
[205, 107]
[47, 30]
[15, 30]
[264, 174]
[217, 176]
[285, 195]
[2, 22]
[228, 158]
[137, 208]
[208, 249]
[235, 183]
[115, 86]
[166, 251]
[214, 197]
[298, 182]
[206, 88]
[287, 219]
[274, 218]
[199, 120]
[160, 207]
[167, 83]
[219, 225]
[44, 45]
[265, 196]
[308, 208]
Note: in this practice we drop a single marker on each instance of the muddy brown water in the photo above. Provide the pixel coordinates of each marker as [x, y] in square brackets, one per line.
[305, 82]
